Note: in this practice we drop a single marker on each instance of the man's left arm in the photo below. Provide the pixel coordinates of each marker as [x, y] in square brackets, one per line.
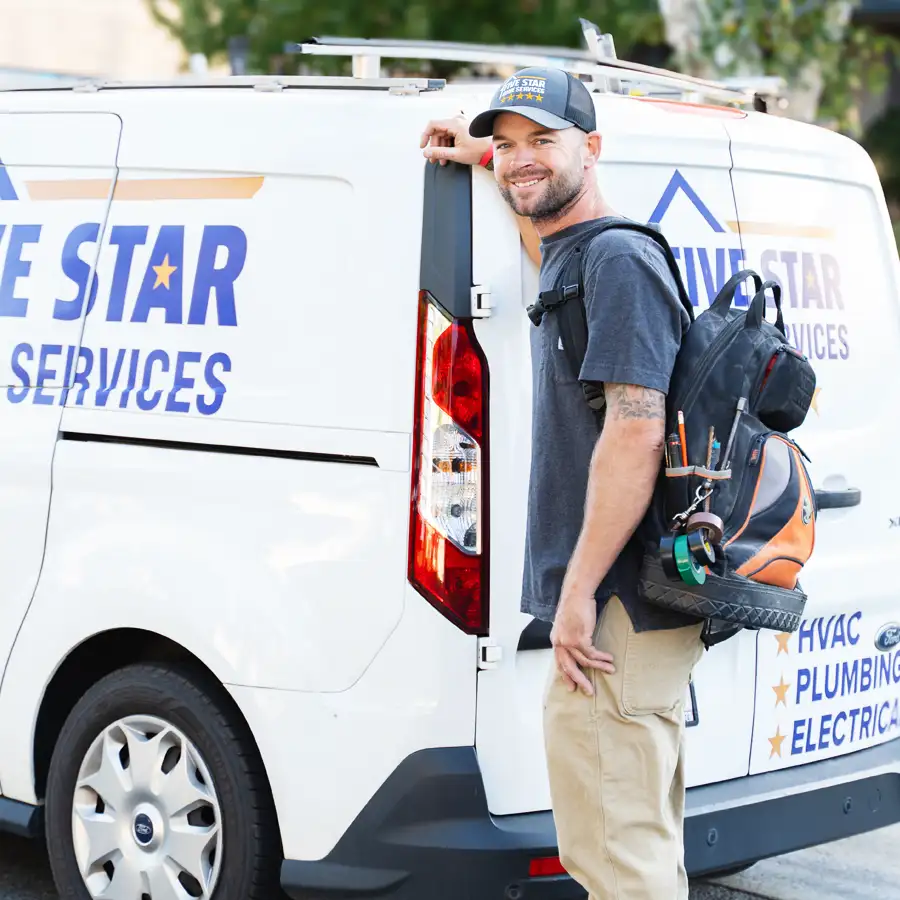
[634, 333]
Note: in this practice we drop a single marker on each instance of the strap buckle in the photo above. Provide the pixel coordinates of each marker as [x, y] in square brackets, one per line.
[550, 300]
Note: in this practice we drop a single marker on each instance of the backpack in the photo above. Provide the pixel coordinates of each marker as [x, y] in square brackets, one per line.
[732, 519]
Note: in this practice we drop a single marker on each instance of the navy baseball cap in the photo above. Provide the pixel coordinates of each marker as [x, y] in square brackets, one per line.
[550, 97]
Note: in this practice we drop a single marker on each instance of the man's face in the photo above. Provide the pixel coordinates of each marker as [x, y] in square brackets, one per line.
[539, 171]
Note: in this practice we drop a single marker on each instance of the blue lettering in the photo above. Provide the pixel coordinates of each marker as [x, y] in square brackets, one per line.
[132, 378]
[70, 356]
[803, 682]
[712, 284]
[831, 278]
[884, 671]
[810, 740]
[106, 383]
[817, 330]
[209, 407]
[816, 693]
[896, 672]
[853, 637]
[81, 378]
[15, 268]
[806, 634]
[885, 708]
[849, 678]
[831, 692]
[181, 382]
[141, 396]
[895, 715]
[221, 280]
[854, 715]
[865, 681]
[824, 636]
[798, 736]
[78, 271]
[161, 287]
[14, 394]
[842, 337]
[839, 638]
[824, 732]
[865, 722]
[126, 238]
[44, 374]
[768, 257]
[840, 717]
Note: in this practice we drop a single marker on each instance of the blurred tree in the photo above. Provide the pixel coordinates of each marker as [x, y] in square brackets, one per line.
[206, 26]
[825, 57]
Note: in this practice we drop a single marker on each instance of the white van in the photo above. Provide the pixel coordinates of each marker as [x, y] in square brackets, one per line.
[263, 486]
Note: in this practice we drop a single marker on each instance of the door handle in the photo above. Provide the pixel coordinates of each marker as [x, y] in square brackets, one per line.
[838, 499]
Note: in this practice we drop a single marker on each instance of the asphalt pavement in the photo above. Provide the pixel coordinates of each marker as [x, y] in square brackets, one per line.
[861, 868]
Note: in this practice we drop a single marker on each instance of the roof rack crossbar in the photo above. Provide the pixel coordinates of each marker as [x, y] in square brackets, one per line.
[597, 61]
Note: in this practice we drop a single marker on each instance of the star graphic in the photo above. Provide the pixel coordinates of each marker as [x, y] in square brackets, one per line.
[781, 690]
[520, 96]
[814, 403]
[539, 98]
[163, 273]
[810, 278]
[776, 742]
[783, 639]
[529, 96]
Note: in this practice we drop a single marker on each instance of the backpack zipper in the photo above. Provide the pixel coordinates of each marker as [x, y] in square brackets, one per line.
[705, 363]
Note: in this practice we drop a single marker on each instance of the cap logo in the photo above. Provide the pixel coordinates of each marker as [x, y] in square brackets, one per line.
[519, 88]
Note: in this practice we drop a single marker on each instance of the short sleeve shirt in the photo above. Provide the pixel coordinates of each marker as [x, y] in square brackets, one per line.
[635, 327]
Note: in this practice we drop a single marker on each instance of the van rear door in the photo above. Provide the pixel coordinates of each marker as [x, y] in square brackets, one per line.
[812, 217]
[650, 170]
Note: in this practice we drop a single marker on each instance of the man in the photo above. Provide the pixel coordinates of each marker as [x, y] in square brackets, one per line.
[613, 707]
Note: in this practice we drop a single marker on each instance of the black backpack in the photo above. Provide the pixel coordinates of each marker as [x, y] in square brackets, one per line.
[732, 519]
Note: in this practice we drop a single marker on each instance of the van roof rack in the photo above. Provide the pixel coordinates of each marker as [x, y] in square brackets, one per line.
[598, 63]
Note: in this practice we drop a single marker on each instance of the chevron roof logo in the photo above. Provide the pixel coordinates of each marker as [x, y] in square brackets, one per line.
[803, 259]
[7, 191]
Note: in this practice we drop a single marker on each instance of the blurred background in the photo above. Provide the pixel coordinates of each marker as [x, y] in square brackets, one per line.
[839, 60]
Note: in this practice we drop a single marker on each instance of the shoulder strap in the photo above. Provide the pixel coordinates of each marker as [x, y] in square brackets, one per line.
[572, 316]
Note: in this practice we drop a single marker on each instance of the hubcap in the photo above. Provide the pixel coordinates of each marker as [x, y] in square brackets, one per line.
[146, 822]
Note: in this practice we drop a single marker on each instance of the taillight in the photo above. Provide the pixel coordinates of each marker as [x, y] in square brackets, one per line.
[546, 866]
[448, 553]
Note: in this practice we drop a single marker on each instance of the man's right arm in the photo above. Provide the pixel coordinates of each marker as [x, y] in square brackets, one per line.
[449, 140]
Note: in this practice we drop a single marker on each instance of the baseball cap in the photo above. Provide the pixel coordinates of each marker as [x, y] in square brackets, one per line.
[551, 97]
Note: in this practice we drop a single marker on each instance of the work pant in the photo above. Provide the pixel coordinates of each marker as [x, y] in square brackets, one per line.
[616, 762]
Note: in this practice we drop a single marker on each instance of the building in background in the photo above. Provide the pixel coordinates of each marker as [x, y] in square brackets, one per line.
[115, 39]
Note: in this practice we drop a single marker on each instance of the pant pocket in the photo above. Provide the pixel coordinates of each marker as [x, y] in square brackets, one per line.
[657, 668]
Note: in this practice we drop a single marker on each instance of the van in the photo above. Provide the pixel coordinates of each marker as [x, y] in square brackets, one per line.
[265, 427]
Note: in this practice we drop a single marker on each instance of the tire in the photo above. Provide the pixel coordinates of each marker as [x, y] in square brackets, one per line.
[209, 813]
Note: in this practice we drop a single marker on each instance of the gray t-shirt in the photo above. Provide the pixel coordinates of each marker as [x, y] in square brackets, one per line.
[635, 326]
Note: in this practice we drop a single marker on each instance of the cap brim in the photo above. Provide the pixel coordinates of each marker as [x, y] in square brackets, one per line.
[483, 124]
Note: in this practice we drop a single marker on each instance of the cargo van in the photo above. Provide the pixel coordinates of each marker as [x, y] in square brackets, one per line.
[264, 446]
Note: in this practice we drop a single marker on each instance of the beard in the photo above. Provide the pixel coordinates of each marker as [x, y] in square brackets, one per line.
[559, 192]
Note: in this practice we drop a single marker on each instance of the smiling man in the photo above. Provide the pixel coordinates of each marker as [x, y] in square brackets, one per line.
[613, 707]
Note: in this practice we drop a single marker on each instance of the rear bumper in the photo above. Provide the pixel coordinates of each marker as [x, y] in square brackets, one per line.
[428, 832]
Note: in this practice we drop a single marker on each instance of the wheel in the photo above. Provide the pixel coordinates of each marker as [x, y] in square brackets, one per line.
[156, 793]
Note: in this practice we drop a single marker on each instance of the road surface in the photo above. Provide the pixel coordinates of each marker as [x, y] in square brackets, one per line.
[862, 868]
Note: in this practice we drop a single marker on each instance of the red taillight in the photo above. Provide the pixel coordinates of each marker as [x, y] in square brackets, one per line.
[448, 556]
[545, 867]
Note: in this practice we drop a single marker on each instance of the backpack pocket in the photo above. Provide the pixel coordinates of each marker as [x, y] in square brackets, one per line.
[772, 525]
[786, 390]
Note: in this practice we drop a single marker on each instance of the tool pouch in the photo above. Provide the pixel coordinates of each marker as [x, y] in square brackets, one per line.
[786, 392]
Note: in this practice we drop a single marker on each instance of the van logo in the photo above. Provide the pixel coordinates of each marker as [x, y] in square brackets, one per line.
[888, 637]
[143, 828]
[7, 191]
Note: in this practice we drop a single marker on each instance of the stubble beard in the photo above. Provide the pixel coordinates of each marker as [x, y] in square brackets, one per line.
[559, 195]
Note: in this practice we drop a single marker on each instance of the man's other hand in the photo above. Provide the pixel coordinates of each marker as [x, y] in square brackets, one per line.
[572, 638]
[448, 140]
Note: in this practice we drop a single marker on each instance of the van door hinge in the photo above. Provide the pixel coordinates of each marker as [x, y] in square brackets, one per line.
[490, 653]
[481, 301]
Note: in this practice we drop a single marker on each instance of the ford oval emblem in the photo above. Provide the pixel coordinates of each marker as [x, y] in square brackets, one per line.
[888, 636]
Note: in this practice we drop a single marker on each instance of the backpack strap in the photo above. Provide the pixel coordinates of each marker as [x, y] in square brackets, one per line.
[573, 316]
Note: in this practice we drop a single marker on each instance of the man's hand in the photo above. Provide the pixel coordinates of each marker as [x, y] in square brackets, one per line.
[572, 639]
[449, 140]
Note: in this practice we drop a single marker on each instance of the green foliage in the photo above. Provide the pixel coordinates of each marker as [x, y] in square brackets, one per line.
[205, 26]
[783, 37]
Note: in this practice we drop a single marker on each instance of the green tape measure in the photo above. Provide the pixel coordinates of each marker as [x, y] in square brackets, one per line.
[689, 569]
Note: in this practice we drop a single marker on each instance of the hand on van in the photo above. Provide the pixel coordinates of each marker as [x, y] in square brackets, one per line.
[572, 638]
[449, 139]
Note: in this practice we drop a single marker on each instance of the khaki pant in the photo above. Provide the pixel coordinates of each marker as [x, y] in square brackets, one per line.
[616, 763]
